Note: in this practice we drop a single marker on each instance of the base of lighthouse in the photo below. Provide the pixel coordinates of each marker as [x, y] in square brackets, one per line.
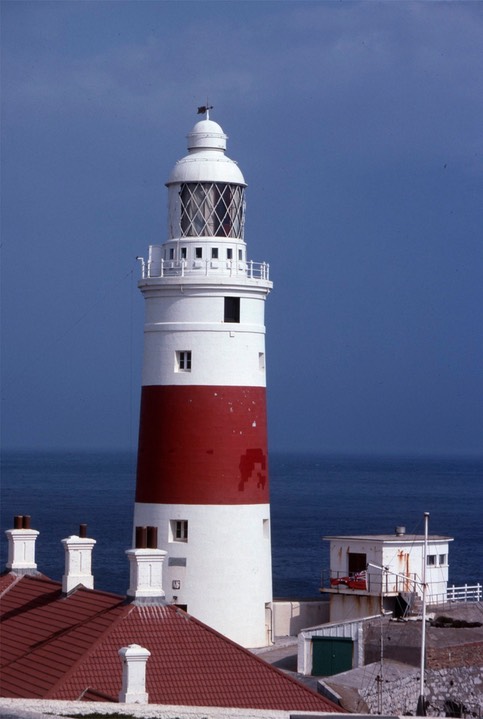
[211, 551]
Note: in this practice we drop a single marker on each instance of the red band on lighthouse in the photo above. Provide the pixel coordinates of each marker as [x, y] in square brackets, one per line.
[203, 445]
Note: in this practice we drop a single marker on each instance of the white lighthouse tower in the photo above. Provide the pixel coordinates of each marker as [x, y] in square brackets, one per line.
[202, 477]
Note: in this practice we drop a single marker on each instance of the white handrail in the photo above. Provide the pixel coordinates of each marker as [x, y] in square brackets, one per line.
[182, 268]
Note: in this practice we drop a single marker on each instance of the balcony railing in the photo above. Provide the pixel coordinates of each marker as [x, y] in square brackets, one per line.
[367, 581]
[375, 583]
[183, 268]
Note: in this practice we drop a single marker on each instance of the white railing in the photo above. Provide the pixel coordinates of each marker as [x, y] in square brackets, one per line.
[465, 593]
[183, 268]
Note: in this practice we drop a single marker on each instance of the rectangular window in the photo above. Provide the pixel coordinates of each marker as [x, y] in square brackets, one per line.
[214, 253]
[240, 254]
[357, 562]
[183, 361]
[261, 360]
[232, 309]
[179, 530]
[431, 560]
[183, 253]
[442, 559]
[229, 253]
[171, 253]
[198, 253]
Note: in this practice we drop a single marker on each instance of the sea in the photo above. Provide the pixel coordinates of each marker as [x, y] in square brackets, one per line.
[311, 497]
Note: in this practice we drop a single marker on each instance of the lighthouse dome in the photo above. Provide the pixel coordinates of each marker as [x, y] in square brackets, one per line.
[206, 161]
[207, 133]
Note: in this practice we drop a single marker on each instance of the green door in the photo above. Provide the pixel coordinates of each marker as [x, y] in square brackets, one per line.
[331, 655]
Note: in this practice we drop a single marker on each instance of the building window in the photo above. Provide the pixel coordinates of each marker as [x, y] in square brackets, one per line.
[431, 560]
[357, 562]
[229, 253]
[261, 360]
[183, 253]
[198, 253]
[183, 361]
[442, 559]
[179, 530]
[232, 309]
[240, 254]
[214, 253]
[171, 253]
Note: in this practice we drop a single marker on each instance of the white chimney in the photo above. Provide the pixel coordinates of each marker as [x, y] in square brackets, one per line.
[134, 660]
[21, 546]
[146, 566]
[78, 561]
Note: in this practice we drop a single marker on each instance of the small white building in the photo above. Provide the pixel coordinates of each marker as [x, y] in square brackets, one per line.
[372, 573]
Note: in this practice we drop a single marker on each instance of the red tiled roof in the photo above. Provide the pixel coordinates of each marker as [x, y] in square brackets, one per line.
[66, 647]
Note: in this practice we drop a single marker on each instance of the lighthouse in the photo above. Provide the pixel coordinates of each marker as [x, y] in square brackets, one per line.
[202, 473]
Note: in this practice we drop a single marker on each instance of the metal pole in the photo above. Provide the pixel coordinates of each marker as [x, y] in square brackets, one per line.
[421, 709]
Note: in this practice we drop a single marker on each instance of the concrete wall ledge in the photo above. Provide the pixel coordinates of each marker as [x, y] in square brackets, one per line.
[56, 709]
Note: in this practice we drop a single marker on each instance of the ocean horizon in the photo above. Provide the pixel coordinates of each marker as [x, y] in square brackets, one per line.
[312, 496]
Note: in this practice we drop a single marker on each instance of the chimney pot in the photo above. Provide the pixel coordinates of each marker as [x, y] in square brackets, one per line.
[152, 537]
[141, 537]
[400, 531]
[26, 521]
[82, 531]
[17, 521]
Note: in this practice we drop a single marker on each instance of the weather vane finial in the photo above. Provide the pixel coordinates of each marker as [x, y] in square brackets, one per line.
[205, 109]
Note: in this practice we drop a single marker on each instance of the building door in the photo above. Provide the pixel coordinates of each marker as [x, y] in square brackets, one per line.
[331, 655]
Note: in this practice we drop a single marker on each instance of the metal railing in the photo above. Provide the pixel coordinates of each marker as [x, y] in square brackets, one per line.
[369, 581]
[465, 593]
[374, 583]
[182, 268]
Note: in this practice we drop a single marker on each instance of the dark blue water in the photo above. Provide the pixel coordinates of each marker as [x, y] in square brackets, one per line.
[310, 497]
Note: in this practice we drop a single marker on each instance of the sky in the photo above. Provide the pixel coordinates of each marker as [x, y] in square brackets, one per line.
[358, 127]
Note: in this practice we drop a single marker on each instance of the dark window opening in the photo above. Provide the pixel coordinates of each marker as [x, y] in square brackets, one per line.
[214, 253]
[229, 254]
[183, 253]
[198, 253]
[232, 309]
[356, 563]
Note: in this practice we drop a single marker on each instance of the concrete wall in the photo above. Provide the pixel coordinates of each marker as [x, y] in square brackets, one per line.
[355, 606]
[291, 616]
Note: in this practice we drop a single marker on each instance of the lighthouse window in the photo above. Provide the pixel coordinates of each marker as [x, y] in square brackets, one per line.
[183, 361]
[214, 253]
[232, 309]
[171, 253]
[183, 253]
[431, 560]
[240, 254]
[211, 209]
[229, 253]
[179, 530]
[442, 559]
[198, 253]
